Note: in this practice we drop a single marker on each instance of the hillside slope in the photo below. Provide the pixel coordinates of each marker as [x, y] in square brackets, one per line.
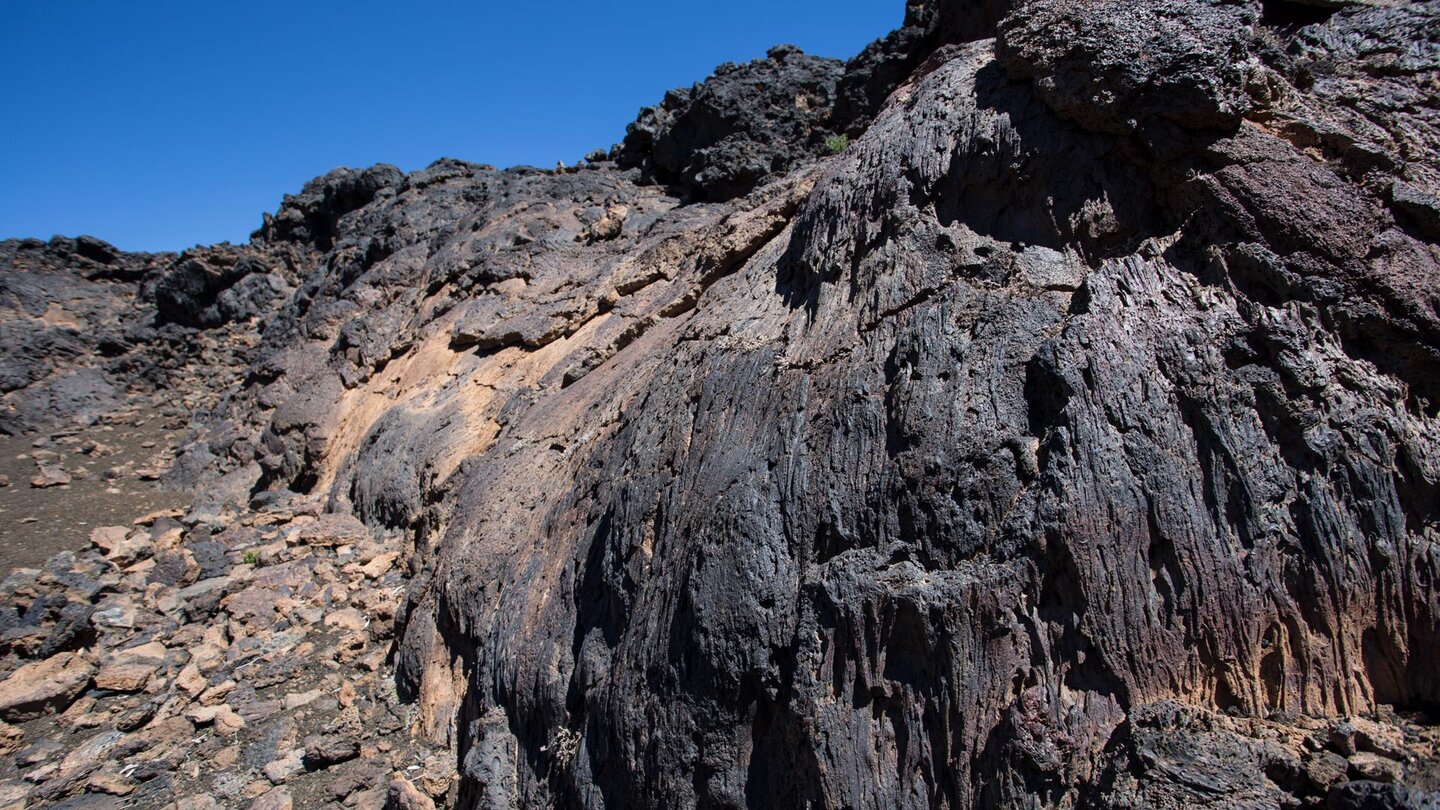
[1070, 439]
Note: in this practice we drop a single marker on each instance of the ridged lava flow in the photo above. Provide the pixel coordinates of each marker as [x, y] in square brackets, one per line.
[1071, 438]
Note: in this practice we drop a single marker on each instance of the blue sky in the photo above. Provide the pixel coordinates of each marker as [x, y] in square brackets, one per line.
[160, 124]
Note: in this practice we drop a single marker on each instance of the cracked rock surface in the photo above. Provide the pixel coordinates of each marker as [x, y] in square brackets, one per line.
[1070, 439]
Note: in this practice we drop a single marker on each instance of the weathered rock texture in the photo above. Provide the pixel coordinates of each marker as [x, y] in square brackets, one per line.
[1072, 439]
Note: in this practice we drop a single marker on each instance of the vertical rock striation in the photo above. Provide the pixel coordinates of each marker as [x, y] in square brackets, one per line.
[1071, 439]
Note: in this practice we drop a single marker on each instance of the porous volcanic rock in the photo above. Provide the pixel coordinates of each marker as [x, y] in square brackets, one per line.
[722, 137]
[1070, 439]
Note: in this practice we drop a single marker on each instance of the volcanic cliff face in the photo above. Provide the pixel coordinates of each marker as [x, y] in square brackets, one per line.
[1072, 438]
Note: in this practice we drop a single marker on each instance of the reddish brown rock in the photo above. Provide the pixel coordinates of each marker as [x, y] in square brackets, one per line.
[124, 677]
[44, 687]
[403, 795]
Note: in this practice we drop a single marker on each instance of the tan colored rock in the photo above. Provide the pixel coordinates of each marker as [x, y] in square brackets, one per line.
[222, 717]
[347, 619]
[295, 700]
[1375, 768]
[13, 793]
[121, 545]
[227, 756]
[43, 687]
[50, 476]
[377, 567]
[111, 782]
[151, 653]
[216, 693]
[227, 722]
[124, 677]
[281, 770]
[11, 739]
[170, 539]
[207, 657]
[274, 799]
[405, 796]
[372, 799]
[149, 518]
[190, 681]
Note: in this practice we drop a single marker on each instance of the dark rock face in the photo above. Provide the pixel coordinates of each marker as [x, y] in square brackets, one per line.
[888, 62]
[1072, 439]
[214, 286]
[719, 139]
[1112, 67]
[86, 328]
[70, 307]
[312, 216]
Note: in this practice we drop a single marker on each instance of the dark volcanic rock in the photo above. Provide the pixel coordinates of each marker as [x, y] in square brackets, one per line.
[722, 137]
[1364, 795]
[1111, 66]
[312, 216]
[889, 62]
[212, 286]
[1071, 439]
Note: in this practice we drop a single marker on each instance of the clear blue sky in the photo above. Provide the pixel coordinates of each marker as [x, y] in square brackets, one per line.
[160, 124]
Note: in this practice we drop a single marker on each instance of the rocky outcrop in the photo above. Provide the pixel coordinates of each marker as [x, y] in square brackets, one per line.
[87, 330]
[723, 137]
[1069, 439]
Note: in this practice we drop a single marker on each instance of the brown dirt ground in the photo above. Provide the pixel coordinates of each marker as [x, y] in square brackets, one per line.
[37, 523]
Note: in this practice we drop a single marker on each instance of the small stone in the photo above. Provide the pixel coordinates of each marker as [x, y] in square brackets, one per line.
[295, 700]
[11, 739]
[108, 781]
[203, 802]
[227, 722]
[43, 774]
[331, 749]
[95, 449]
[1342, 738]
[40, 688]
[121, 545]
[274, 799]
[280, 770]
[372, 799]
[124, 677]
[152, 653]
[136, 718]
[224, 718]
[1374, 768]
[377, 567]
[215, 694]
[405, 796]
[227, 756]
[348, 619]
[190, 681]
[50, 476]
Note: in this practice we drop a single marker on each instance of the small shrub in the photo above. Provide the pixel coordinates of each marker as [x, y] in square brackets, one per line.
[837, 143]
[252, 558]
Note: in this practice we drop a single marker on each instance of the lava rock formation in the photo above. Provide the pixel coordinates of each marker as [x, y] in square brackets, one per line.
[1071, 439]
